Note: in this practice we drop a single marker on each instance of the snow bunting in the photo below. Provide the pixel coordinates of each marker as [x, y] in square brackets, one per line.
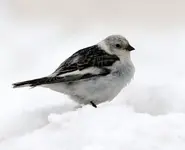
[91, 75]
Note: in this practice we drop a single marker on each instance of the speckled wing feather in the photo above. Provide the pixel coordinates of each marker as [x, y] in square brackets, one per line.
[88, 57]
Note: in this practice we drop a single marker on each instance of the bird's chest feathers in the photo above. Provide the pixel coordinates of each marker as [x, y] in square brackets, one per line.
[124, 67]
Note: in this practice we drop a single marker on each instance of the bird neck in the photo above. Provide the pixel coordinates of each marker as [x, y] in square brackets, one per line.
[104, 46]
[124, 56]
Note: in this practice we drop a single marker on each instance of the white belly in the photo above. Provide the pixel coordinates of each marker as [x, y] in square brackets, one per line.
[98, 90]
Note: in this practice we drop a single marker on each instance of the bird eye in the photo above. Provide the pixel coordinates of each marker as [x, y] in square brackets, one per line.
[118, 46]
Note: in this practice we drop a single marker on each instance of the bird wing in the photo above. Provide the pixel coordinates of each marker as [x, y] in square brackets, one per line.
[86, 63]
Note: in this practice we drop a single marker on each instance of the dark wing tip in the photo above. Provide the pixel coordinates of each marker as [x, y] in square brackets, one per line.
[14, 85]
[17, 85]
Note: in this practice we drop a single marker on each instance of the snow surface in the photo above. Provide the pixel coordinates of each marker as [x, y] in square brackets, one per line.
[149, 114]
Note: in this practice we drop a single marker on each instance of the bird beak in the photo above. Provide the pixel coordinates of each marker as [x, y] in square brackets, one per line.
[130, 48]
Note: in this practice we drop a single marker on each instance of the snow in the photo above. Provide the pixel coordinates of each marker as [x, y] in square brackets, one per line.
[149, 114]
[108, 127]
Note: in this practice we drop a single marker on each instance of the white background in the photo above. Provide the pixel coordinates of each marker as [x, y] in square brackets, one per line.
[37, 35]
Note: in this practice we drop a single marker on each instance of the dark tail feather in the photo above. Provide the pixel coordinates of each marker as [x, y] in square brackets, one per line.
[52, 80]
[31, 83]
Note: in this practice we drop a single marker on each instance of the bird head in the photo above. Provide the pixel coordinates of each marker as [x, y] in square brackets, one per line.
[116, 44]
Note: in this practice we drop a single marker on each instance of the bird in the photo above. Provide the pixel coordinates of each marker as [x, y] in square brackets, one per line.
[92, 75]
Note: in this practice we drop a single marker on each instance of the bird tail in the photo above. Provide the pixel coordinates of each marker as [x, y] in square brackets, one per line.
[31, 83]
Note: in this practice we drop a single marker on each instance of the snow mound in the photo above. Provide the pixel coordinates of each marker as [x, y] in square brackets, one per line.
[108, 127]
